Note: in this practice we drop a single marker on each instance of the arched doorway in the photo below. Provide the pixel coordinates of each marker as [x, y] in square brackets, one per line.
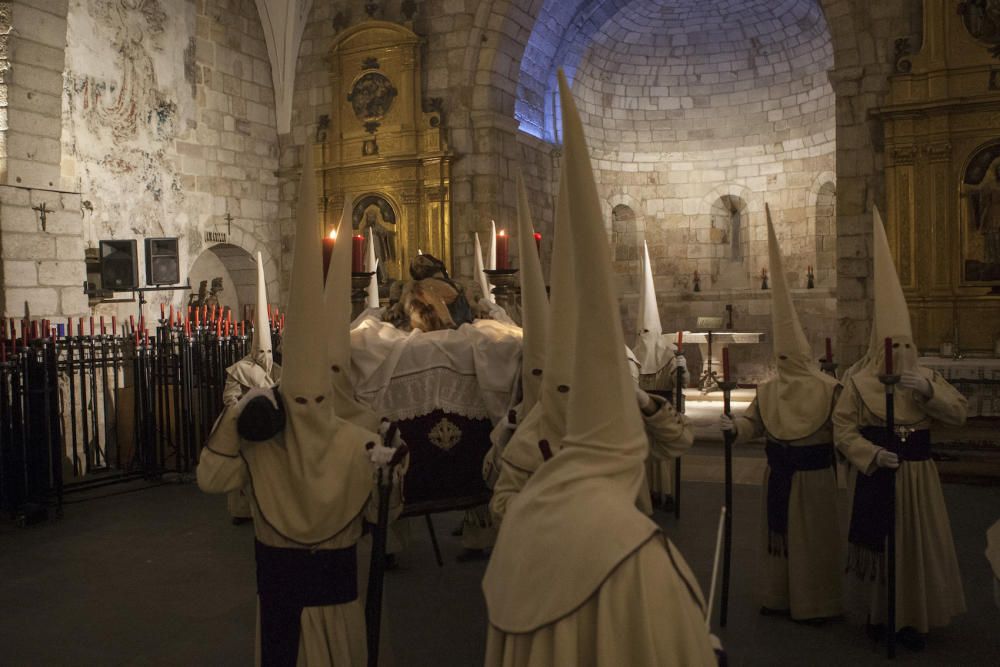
[237, 270]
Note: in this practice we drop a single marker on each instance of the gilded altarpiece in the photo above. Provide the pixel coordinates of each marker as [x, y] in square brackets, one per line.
[942, 150]
[385, 153]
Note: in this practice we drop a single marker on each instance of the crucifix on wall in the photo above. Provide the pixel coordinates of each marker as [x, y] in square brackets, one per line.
[229, 223]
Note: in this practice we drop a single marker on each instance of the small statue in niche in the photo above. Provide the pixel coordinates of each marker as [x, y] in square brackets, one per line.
[195, 300]
[374, 216]
[981, 243]
[213, 295]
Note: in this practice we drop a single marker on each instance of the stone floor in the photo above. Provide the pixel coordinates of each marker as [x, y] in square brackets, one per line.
[159, 577]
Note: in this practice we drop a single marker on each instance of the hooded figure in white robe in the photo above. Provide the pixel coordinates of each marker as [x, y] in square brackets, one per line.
[928, 585]
[507, 468]
[802, 555]
[579, 576]
[657, 363]
[256, 369]
[308, 484]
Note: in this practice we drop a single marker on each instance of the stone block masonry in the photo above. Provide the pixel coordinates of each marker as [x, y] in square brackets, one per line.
[43, 267]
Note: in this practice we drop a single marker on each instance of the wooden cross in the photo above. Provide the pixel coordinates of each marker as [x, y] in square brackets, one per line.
[229, 222]
[42, 211]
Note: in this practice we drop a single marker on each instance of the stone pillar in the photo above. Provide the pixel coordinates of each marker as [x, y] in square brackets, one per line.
[42, 260]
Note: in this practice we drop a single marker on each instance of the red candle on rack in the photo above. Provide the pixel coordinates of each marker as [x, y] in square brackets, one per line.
[187, 327]
[79, 328]
[357, 253]
[829, 350]
[680, 339]
[34, 330]
[268, 312]
[197, 317]
[114, 325]
[131, 322]
[102, 325]
[502, 257]
[204, 314]
[538, 243]
[142, 322]
[725, 364]
[162, 305]
[145, 336]
[888, 356]
[281, 327]
[218, 328]
[171, 316]
[243, 328]
[91, 325]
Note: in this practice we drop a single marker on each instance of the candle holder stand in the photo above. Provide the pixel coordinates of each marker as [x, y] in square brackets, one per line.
[359, 291]
[828, 367]
[507, 290]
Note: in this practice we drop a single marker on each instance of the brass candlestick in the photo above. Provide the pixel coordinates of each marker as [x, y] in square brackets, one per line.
[507, 290]
[359, 291]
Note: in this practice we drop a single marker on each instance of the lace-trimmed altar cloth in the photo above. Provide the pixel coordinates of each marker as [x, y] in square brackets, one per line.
[471, 371]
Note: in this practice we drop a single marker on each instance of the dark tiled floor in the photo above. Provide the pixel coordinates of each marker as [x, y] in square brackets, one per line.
[160, 577]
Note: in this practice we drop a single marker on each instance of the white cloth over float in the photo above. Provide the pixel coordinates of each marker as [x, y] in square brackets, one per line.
[472, 371]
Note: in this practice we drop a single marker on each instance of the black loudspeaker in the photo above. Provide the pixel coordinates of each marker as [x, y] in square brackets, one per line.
[119, 268]
[162, 265]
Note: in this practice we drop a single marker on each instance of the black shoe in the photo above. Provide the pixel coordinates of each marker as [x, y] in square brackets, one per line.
[911, 639]
[767, 611]
[469, 555]
[240, 520]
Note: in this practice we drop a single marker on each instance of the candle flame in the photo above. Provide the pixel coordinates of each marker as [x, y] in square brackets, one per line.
[333, 234]
[502, 232]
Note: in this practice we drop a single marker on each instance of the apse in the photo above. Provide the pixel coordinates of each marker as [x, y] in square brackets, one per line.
[689, 106]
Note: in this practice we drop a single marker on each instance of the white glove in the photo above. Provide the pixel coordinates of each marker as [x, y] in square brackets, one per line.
[643, 398]
[726, 423]
[252, 393]
[681, 362]
[886, 459]
[383, 430]
[917, 382]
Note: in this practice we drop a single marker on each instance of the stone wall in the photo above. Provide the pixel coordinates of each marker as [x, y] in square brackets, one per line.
[169, 126]
[42, 264]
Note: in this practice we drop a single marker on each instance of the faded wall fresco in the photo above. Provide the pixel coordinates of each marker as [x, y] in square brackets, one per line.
[169, 124]
[125, 101]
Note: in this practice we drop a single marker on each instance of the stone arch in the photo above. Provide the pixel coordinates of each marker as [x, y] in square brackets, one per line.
[241, 245]
[730, 228]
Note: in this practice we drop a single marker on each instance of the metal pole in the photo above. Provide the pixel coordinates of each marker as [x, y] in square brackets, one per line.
[889, 382]
[728, 437]
[679, 405]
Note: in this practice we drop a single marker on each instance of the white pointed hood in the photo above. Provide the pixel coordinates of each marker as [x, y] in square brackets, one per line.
[892, 320]
[534, 303]
[652, 348]
[260, 342]
[798, 401]
[257, 368]
[484, 283]
[547, 561]
[312, 479]
[372, 265]
[337, 299]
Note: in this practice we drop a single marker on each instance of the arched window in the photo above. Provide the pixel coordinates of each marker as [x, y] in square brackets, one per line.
[624, 234]
[826, 235]
[729, 233]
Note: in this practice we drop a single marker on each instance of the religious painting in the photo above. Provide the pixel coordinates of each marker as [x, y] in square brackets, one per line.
[372, 96]
[981, 217]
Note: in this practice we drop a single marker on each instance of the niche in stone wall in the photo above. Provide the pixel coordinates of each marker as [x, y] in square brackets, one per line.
[626, 240]
[825, 235]
[729, 233]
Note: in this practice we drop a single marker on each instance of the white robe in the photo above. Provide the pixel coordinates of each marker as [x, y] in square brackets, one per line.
[332, 635]
[649, 611]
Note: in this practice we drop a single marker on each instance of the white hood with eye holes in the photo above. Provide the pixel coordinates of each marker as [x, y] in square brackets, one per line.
[798, 402]
[313, 479]
[892, 320]
[257, 368]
